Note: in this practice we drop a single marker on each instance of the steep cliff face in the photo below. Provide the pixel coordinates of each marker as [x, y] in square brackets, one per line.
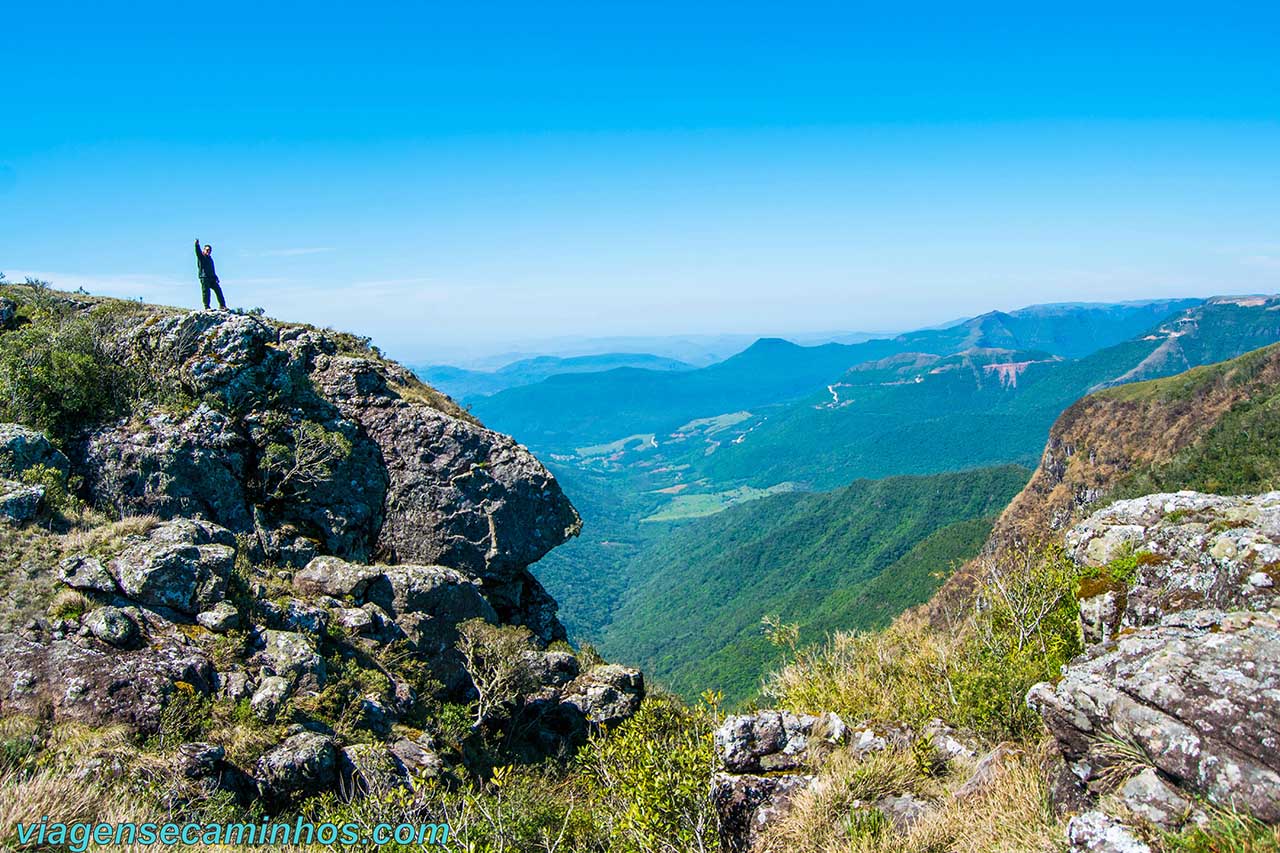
[312, 444]
[1198, 429]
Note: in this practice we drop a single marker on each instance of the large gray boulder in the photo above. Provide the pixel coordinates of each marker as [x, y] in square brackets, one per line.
[181, 564]
[769, 741]
[606, 694]
[305, 763]
[459, 494]
[18, 502]
[78, 679]
[22, 448]
[291, 656]
[172, 467]
[747, 804]
[1196, 551]
[1197, 694]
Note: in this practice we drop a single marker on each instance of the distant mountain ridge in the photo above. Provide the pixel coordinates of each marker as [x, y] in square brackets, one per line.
[569, 411]
[463, 384]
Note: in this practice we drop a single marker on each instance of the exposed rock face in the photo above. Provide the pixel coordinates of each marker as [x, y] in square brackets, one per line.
[174, 468]
[22, 448]
[764, 757]
[282, 463]
[1182, 666]
[410, 482]
[747, 804]
[1202, 551]
[182, 564]
[774, 740]
[19, 503]
[83, 680]
[606, 694]
[1198, 694]
[459, 495]
[305, 763]
[1097, 832]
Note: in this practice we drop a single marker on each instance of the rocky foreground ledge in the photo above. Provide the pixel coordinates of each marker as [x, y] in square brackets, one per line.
[1172, 711]
[302, 534]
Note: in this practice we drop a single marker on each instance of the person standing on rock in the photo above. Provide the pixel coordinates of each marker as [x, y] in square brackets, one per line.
[208, 276]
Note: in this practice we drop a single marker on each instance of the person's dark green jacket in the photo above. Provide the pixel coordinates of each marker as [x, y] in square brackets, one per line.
[205, 262]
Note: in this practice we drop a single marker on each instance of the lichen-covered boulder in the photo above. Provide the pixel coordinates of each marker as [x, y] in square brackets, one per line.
[19, 502]
[112, 626]
[1192, 551]
[768, 741]
[172, 467]
[291, 656]
[747, 804]
[181, 564]
[23, 448]
[459, 494]
[606, 694]
[85, 681]
[303, 764]
[1199, 694]
[1098, 832]
[335, 577]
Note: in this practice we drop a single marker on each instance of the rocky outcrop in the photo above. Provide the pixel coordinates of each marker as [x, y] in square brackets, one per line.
[1197, 696]
[305, 763]
[67, 671]
[1177, 698]
[22, 448]
[767, 758]
[1192, 551]
[19, 503]
[181, 564]
[310, 525]
[318, 447]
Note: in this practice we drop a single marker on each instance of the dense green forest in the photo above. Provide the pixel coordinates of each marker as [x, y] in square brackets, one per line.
[692, 615]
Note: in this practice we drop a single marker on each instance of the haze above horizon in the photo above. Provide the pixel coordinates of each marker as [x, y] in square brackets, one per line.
[450, 179]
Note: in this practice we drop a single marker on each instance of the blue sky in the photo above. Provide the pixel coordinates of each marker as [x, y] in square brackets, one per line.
[470, 176]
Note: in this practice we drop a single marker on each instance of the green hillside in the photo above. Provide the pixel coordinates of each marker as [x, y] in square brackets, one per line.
[692, 615]
[1239, 454]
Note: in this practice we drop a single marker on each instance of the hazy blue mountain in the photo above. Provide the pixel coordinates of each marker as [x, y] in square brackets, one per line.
[571, 411]
[920, 414]
[463, 384]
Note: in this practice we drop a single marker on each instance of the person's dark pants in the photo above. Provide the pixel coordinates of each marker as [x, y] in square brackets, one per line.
[205, 287]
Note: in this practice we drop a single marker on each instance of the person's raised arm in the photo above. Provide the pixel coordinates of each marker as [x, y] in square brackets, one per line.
[197, 247]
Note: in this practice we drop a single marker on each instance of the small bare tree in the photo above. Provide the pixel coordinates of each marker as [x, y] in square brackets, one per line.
[308, 461]
[495, 659]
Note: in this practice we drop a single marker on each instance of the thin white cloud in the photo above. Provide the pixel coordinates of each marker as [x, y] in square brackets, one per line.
[291, 253]
[123, 285]
[1266, 262]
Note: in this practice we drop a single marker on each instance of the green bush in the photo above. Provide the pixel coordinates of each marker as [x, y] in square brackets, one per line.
[1024, 631]
[58, 496]
[650, 775]
[55, 376]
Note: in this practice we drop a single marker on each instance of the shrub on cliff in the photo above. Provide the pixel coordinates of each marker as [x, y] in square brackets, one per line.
[1022, 628]
[55, 376]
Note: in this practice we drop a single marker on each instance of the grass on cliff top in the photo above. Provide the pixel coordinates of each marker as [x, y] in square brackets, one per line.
[1236, 371]
[58, 373]
[1240, 454]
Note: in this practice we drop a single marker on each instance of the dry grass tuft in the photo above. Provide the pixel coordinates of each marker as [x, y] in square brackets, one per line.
[899, 674]
[108, 539]
[1010, 815]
